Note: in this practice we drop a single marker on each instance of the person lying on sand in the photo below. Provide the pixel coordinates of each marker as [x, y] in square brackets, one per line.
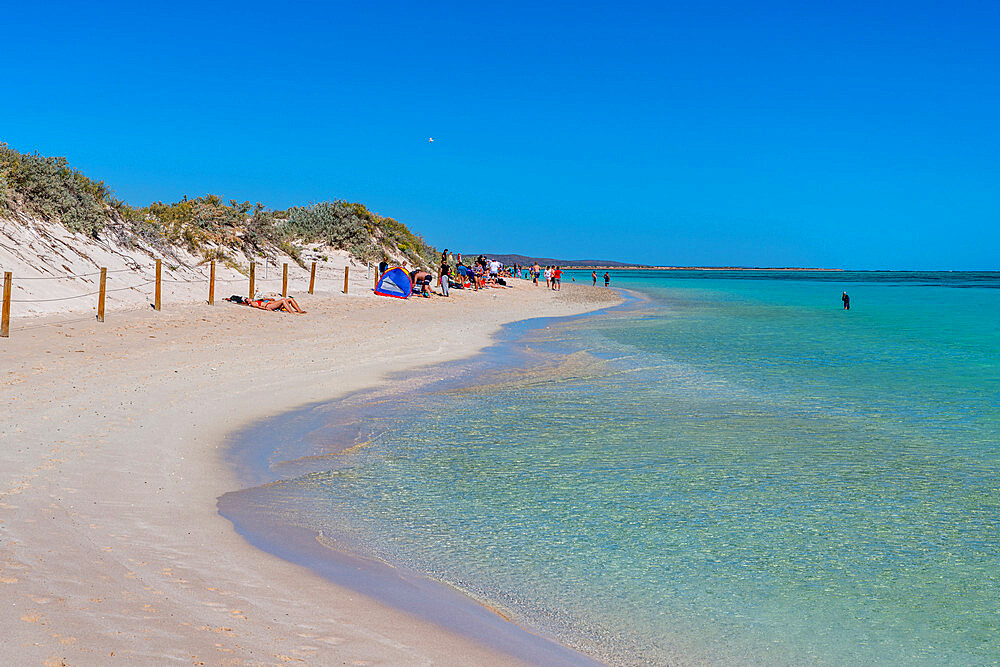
[286, 304]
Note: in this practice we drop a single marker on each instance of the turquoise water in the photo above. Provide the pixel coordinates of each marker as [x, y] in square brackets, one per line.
[732, 469]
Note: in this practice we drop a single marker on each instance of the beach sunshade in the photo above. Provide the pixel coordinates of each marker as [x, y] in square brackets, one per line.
[394, 282]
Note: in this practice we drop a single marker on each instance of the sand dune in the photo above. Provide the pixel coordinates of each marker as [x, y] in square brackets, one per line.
[57, 271]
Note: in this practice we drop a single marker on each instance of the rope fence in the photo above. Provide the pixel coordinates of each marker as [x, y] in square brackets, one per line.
[157, 281]
[80, 296]
[74, 275]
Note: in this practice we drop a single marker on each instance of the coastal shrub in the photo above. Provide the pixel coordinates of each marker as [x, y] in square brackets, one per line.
[396, 235]
[192, 238]
[292, 251]
[143, 227]
[409, 244]
[211, 214]
[47, 187]
[5, 195]
[369, 253]
[6, 192]
[53, 190]
[260, 230]
[337, 223]
[209, 254]
[206, 220]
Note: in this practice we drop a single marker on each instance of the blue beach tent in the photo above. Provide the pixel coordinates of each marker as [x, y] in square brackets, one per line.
[394, 282]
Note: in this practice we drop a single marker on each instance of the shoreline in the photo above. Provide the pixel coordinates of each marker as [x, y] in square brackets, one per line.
[311, 438]
[113, 545]
[629, 267]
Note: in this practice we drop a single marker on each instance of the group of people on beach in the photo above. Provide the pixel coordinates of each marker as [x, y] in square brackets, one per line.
[491, 272]
[552, 274]
[484, 272]
[454, 272]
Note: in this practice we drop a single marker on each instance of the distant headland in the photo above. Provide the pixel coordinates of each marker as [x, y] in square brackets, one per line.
[610, 264]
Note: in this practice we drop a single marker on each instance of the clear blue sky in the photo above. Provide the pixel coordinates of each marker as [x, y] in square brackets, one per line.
[853, 135]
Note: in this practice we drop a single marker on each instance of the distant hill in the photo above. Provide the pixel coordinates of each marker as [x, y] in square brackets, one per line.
[548, 261]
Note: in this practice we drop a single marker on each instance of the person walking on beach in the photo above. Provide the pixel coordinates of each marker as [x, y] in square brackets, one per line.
[445, 278]
[593, 277]
[556, 278]
[607, 279]
[535, 270]
[847, 301]
[548, 277]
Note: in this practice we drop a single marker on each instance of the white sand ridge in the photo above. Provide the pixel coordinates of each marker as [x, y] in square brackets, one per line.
[58, 271]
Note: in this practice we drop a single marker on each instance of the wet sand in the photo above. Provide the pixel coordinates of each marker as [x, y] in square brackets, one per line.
[112, 462]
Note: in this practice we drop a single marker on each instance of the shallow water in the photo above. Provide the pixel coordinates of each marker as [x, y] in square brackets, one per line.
[734, 469]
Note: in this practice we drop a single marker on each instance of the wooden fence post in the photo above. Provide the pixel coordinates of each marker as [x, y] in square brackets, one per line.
[100, 297]
[252, 265]
[211, 284]
[347, 271]
[284, 280]
[5, 315]
[312, 278]
[156, 297]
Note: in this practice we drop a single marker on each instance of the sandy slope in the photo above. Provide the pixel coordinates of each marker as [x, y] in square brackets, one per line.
[55, 271]
[111, 549]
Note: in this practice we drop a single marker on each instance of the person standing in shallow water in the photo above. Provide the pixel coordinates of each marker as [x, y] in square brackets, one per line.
[847, 301]
[593, 276]
[607, 279]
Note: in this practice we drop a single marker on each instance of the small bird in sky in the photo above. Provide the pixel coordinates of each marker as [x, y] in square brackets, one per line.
[431, 140]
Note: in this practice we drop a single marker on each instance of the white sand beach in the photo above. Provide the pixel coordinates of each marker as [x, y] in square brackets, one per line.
[112, 549]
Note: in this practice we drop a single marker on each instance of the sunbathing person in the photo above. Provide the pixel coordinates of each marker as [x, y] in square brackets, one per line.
[286, 304]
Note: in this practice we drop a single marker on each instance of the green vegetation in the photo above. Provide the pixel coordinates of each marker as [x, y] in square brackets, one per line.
[49, 188]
